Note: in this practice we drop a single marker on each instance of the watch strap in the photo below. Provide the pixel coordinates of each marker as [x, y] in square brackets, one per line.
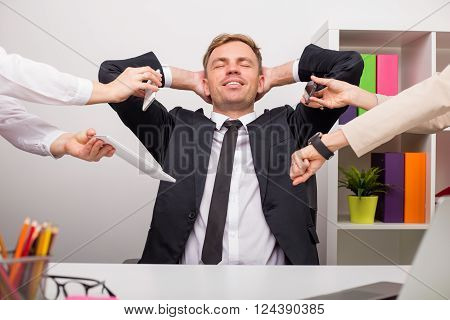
[321, 148]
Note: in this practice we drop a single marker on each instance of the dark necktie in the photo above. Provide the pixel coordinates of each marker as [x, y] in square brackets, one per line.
[212, 247]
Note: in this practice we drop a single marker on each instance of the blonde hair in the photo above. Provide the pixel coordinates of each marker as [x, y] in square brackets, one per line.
[223, 38]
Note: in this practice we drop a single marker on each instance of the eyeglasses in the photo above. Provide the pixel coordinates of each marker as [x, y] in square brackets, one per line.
[73, 286]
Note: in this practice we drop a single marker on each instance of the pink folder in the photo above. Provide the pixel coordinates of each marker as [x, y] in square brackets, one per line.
[387, 74]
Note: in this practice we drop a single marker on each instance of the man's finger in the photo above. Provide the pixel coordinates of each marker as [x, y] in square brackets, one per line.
[90, 133]
[321, 81]
[84, 136]
[303, 100]
[294, 171]
[103, 152]
[139, 93]
[90, 143]
[321, 102]
[150, 76]
[297, 159]
[143, 69]
[313, 104]
[147, 86]
[95, 149]
[319, 94]
[111, 152]
[302, 178]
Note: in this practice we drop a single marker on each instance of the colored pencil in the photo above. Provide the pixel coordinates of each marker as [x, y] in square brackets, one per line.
[22, 238]
[3, 248]
[13, 272]
[55, 231]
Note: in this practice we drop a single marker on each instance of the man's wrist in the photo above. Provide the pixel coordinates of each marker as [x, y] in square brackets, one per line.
[183, 79]
[335, 141]
[281, 75]
[58, 147]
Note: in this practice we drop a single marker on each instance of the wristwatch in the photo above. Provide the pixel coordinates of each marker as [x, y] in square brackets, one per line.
[321, 148]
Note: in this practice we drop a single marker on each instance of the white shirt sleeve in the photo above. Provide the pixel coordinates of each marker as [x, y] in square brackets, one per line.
[25, 130]
[295, 70]
[25, 79]
[167, 76]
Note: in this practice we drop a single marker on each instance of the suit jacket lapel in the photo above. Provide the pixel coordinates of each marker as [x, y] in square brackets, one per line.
[260, 146]
[203, 135]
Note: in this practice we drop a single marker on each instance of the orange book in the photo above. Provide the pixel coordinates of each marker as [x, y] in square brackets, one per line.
[415, 187]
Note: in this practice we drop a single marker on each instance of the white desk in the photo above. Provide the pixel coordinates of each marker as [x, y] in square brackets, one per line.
[228, 282]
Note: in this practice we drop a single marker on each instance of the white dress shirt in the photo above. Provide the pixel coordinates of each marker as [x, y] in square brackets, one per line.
[21, 78]
[247, 238]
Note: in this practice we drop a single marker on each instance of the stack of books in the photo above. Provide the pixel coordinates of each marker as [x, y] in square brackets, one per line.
[405, 174]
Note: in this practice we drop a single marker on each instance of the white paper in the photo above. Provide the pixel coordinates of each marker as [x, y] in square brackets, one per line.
[149, 96]
[146, 164]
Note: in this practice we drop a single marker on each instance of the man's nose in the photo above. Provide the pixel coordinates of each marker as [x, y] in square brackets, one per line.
[233, 68]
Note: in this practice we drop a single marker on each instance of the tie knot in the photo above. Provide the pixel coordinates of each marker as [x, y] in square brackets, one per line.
[232, 123]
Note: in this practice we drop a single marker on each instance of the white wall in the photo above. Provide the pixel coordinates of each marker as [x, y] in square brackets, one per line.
[104, 209]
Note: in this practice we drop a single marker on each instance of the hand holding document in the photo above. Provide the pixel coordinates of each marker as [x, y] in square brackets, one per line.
[146, 163]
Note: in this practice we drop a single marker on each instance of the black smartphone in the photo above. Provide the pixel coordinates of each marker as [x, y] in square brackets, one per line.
[310, 89]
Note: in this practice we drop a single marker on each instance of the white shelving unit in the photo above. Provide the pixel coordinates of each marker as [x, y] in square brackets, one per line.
[421, 53]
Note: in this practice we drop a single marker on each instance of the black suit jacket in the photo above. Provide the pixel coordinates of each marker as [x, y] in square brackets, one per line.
[181, 141]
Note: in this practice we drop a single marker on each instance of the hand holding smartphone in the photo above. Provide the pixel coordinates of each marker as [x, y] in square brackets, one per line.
[310, 89]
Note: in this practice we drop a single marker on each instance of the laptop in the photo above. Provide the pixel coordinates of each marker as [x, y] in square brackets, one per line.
[429, 277]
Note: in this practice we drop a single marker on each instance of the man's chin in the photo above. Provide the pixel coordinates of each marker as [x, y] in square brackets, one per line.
[236, 99]
[236, 103]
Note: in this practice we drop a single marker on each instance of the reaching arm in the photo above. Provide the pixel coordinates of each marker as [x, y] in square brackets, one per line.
[427, 101]
[31, 134]
[25, 79]
[339, 93]
[154, 126]
[343, 65]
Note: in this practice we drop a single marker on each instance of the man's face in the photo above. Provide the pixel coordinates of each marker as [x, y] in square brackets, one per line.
[232, 76]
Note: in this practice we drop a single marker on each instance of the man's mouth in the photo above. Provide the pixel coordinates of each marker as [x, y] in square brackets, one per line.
[233, 84]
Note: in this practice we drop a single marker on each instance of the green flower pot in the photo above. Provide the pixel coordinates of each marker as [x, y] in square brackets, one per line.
[362, 209]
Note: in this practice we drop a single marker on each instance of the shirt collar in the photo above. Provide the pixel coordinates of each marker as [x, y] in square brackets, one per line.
[219, 119]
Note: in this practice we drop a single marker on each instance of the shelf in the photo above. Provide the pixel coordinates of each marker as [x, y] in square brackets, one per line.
[442, 50]
[421, 54]
[375, 39]
[346, 225]
[443, 40]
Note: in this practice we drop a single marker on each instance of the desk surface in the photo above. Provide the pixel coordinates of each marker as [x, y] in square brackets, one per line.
[228, 282]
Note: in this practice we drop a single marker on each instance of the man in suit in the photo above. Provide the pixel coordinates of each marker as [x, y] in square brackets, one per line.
[233, 202]
[423, 108]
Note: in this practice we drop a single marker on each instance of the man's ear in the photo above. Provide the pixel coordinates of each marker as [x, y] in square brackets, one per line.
[206, 87]
[261, 82]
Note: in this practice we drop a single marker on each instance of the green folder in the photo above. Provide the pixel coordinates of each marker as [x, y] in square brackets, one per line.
[368, 80]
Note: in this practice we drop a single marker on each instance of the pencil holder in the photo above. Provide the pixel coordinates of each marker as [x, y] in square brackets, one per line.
[23, 278]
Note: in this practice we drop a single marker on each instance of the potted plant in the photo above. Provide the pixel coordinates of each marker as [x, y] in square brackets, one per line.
[365, 186]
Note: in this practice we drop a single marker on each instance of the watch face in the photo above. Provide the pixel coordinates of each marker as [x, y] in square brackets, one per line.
[310, 140]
